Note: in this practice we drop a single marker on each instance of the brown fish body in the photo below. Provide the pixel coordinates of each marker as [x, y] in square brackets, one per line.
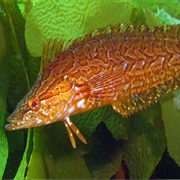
[121, 64]
[128, 67]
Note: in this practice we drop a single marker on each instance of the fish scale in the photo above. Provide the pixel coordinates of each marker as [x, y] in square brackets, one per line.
[126, 66]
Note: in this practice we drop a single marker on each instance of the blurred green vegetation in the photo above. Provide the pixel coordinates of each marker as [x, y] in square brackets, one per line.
[46, 152]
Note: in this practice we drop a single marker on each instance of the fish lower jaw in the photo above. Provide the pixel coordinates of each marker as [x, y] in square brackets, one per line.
[15, 125]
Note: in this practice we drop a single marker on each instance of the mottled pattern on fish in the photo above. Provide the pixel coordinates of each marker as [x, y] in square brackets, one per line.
[128, 67]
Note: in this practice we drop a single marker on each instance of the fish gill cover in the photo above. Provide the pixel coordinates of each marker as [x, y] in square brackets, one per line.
[45, 152]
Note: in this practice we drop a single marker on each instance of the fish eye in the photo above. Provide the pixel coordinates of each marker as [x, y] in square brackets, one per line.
[34, 104]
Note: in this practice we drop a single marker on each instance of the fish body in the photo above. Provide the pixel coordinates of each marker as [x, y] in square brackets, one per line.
[128, 67]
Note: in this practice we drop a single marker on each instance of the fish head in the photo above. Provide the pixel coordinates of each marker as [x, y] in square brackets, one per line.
[44, 104]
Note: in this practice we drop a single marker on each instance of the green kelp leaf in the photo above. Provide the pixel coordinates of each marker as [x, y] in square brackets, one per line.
[171, 117]
[53, 156]
[106, 152]
[87, 122]
[170, 114]
[176, 95]
[17, 24]
[24, 67]
[26, 156]
[172, 7]
[167, 18]
[15, 139]
[153, 114]
[145, 145]
[19, 79]
[70, 19]
[4, 81]
[151, 18]
[105, 158]
[26, 5]
[138, 14]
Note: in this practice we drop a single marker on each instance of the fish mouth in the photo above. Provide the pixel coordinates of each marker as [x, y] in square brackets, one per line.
[18, 121]
[15, 124]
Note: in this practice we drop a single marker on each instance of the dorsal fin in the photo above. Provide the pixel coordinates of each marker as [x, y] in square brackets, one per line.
[109, 29]
[127, 106]
[51, 48]
[125, 28]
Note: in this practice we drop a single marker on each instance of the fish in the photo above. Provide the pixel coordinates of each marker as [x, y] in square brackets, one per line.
[129, 67]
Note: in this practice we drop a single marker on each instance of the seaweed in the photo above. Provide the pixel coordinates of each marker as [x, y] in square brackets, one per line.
[117, 147]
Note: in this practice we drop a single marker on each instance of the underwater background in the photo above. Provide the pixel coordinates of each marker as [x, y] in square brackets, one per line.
[142, 146]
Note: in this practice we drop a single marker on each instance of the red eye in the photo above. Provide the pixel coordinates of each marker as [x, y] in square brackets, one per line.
[34, 104]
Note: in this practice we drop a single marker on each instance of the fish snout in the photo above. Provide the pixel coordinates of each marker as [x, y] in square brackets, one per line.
[18, 121]
[15, 124]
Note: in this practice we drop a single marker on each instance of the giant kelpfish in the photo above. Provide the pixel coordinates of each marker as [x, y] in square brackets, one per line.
[126, 66]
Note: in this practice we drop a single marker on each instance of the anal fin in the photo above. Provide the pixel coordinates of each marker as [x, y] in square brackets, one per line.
[128, 105]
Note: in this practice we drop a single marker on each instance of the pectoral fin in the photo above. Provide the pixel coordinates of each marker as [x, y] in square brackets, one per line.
[105, 85]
